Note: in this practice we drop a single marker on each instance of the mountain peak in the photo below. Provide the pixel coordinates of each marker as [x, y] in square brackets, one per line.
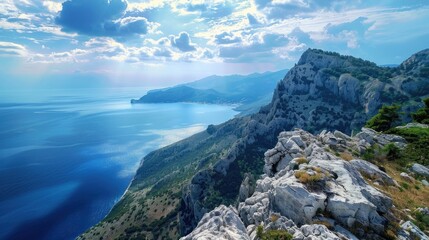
[416, 61]
[327, 59]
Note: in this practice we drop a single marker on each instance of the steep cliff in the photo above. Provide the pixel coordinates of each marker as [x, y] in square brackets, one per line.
[176, 185]
[316, 187]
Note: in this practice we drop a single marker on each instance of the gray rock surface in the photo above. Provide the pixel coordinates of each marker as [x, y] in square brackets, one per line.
[314, 96]
[411, 125]
[411, 232]
[339, 188]
[370, 136]
[373, 172]
[221, 223]
[406, 177]
[420, 170]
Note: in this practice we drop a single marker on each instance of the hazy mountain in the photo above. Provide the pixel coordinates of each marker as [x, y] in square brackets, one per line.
[177, 184]
[249, 91]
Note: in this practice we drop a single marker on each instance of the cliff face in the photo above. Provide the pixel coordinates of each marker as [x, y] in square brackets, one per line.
[323, 91]
[329, 91]
[311, 190]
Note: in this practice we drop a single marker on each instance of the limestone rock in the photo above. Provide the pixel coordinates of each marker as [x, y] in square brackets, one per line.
[406, 177]
[330, 185]
[373, 172]
[370, 136]
[411, 232]
[221, 223]
[316, 232]
[420, 169]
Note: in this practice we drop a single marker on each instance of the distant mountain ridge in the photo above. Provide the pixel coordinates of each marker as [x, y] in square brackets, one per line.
[249, 91]
[176, 185]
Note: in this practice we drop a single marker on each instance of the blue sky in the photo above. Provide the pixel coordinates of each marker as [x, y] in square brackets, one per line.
[93, 43]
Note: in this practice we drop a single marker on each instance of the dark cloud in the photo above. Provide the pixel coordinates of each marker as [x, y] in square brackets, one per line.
[100, 18]
[226, 38]
[182, 42]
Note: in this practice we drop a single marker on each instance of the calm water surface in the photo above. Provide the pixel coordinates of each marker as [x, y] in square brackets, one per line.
[67, 156]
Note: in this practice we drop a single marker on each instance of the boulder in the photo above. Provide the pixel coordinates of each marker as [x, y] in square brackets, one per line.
[372, 137]
[221, 223]
[351, 200]
[420, 170]
[373, 172]
[411, 232]
[406, 177]
[316, 232]
[293, 200]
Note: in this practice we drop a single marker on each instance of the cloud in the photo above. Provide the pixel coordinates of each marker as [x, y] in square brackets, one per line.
[52, 6]
[100, 18]
[283, 9]
[182, 42]
[258, 45]
[349, 32]
[12, 49]
[226, 38]
[209, 10]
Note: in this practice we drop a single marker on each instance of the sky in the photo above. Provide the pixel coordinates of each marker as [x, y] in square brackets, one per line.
[129, 43]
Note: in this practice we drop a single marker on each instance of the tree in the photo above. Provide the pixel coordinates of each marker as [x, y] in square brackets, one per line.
[384, 119]
[422, 115]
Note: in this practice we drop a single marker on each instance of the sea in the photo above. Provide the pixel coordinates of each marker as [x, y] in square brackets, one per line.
[68, 155]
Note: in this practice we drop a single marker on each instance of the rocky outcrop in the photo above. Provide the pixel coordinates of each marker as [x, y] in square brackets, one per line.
[411, 232]
[221, 223]
[311, 193]
[304, 180]
[324, 90]
[373, 172]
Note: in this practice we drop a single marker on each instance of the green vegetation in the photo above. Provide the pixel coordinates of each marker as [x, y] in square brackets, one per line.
[272, 234]
[384, 119]
[392, 151]
[422, 220]
[422, 115]
[410, 195]
[417, 149]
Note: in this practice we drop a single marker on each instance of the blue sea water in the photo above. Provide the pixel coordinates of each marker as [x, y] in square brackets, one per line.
[67, 156]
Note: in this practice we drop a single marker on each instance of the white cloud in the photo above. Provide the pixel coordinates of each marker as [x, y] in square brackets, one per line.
[12, 49]
[52, 6]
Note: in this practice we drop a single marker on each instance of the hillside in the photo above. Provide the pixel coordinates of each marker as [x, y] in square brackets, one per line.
[176, 185]
[249, 92]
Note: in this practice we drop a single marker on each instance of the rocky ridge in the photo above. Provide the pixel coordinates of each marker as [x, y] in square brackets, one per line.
[310, 192]
[323, 91]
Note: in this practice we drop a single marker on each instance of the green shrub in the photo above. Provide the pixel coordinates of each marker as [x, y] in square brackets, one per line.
[384, 119]
[422, 115]
[260, 231]
[422, 221]
[392, 152]
[272, 234]
[417, 145]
